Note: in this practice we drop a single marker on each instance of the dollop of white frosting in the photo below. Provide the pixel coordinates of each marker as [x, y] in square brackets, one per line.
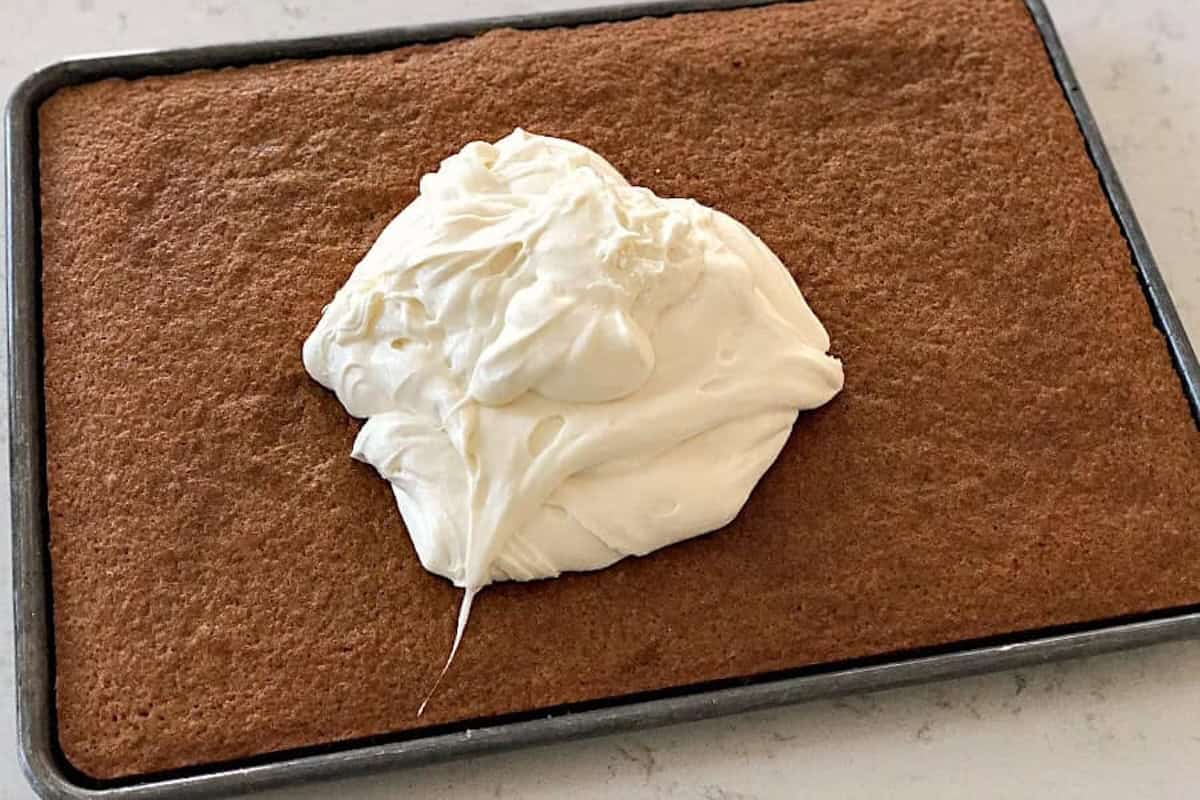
[558, 369]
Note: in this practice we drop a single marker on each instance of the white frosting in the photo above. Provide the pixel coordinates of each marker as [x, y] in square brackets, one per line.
[559, 369]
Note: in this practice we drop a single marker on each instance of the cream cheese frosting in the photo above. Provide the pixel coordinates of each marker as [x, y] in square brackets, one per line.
[558, 369]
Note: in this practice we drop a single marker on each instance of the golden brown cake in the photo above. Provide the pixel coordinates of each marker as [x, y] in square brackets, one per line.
[1012, 449]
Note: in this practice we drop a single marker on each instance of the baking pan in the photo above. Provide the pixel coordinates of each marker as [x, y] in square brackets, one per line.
[43, 762]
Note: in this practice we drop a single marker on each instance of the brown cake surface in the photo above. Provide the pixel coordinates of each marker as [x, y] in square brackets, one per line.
[1012, 449]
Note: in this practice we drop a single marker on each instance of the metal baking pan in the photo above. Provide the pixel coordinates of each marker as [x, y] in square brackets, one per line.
[43, 762]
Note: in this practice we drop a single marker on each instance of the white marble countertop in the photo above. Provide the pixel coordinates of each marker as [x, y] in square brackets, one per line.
[1118, 726]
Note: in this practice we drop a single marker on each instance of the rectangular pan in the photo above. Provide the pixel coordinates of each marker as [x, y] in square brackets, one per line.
[40, 756]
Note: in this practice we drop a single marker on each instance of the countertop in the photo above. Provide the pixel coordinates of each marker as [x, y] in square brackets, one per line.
[1118, 726]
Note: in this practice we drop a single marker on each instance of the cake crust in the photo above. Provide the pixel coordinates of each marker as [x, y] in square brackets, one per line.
[1012, 449]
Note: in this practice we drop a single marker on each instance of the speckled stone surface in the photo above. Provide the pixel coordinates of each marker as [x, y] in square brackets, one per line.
[925, 735]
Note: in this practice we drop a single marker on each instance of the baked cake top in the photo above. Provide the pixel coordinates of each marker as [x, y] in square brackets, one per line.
[1012, 449]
